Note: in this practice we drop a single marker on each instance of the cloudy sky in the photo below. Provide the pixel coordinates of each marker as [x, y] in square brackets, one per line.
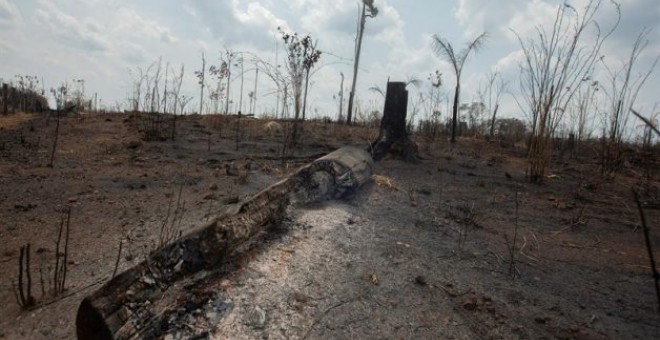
[100, 41]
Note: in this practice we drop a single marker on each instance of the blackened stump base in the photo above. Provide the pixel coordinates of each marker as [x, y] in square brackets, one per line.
[393, 138]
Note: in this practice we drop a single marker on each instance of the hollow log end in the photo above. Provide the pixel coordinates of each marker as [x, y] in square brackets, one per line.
[90, 324]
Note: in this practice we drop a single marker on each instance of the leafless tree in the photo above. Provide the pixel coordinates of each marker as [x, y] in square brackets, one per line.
[368, 11]
[584, 104]
[301, 57]
[491, 95]
[555, 62]
[622, 88]
[220, 73]
[279, 78]
[138, 78]
[443, 48]
[155, 94]
[226, 69]
[201, 77]
[176, 89]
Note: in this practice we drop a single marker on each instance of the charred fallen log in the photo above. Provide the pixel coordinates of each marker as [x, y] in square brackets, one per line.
[124, 308]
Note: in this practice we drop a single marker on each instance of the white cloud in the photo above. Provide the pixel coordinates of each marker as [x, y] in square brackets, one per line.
[132, 24]
[6, 48]
[10, 16]
[330, 17]
[499, 18]
[252, 26]
[387, 26]
[69, 29]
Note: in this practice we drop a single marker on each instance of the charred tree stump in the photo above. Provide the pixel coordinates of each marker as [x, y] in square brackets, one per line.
[127, 306]
[393, 137]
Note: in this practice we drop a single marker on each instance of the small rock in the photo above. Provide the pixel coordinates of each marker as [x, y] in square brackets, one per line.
[148, 280]
[209, 197]
[470, 304]
[212, 316]
[252, 166]
[374, 279]
[231, 170]
[73, 199]
[134, 144]
[542, 319]
[257, 318]
[420, 280]
[24, 207]
[213, 187]
[231, 200]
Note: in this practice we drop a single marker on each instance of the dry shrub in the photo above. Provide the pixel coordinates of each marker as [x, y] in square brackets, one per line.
[272, 128]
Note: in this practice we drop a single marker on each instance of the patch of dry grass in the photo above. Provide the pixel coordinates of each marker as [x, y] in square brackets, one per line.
[13, 120]
[385, 182]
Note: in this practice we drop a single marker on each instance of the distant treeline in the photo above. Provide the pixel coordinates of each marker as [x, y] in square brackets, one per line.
[13, 99]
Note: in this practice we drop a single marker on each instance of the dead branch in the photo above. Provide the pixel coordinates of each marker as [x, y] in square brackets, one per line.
[654, 269]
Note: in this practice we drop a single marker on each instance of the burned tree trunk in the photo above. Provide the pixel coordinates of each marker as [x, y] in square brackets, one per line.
[127, 307]
[5, 99]
[393, 136]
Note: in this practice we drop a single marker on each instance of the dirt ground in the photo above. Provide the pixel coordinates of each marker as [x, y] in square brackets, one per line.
[422, 251]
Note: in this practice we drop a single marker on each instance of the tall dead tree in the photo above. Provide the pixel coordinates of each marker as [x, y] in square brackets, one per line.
[393, 137]
[491, 95]
[226, 69]
[302, 55]
[5, 99]
[368, 11]
[201, 75]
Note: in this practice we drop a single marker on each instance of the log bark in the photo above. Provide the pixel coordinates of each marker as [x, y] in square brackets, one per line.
[393, 137]
[124, 308]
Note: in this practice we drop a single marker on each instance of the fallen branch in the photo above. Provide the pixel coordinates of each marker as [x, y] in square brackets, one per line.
[326, 312]
[654, 269]
[646, 121]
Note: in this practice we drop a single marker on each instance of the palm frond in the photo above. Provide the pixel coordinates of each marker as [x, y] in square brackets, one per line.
[377, 89]
[414, 82]
[444, 49]
[475, 45]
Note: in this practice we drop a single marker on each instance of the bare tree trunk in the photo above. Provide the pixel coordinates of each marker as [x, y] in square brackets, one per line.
[492, 121]
[228, 82]
[240, 100]
[455, 110]
[305, 96]
[254, 94]
[5, 99]
[167, 69]
[351, 97]
[201, 85]
[341, 99]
